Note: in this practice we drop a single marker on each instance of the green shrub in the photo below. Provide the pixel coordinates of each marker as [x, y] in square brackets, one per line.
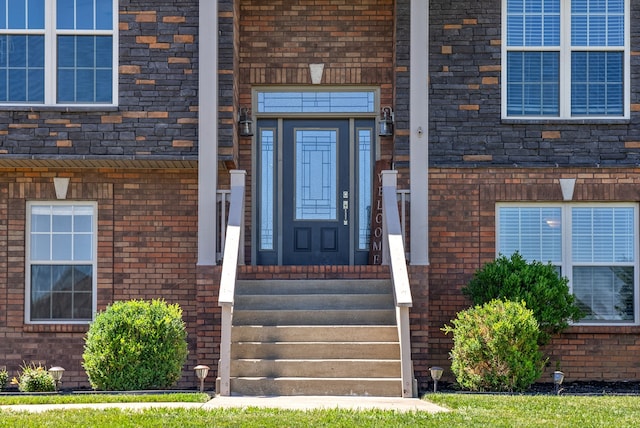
[4, 376]
[136, 345]
[545, 292]
[495, 347]
[34, 378]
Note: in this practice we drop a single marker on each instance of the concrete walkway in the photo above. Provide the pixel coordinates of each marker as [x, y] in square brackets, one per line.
[279, 402]
[326, 402]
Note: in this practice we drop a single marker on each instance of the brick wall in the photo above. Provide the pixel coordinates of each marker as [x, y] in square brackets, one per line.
[278, 41]
[462, 238]
[465, 99]
[158, 104]
[147, 233]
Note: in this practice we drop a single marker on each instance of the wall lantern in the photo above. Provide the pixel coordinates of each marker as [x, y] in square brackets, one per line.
[436, 374]
[201, 372]
[245, 124]
[56, 374]
[385, 124]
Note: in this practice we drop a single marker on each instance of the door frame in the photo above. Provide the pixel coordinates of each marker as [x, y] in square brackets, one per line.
[276, 122]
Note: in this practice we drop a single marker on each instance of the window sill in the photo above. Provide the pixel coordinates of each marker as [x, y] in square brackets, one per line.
[56, 328]
[60, 108]
[565, 121]
[603, 329]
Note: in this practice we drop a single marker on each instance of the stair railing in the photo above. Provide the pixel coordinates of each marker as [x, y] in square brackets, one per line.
[393, 254]
[233, 255]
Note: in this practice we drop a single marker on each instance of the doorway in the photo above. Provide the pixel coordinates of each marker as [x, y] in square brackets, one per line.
[314, 191]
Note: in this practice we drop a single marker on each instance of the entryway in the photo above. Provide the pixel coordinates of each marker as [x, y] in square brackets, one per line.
[314, 191]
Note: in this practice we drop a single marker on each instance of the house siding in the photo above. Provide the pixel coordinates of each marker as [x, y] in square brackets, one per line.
[147, 216]
[138, 162]
[463, 238]
[466, 128]
[158, 96]
[147, 232]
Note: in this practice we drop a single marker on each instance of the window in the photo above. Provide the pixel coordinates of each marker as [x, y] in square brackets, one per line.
[595, 246]
[58, 52]
[316, 102]
[61, 262]
[566, 59]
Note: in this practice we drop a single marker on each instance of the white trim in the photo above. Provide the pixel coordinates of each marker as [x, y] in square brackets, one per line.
[257, 90]
[565, 50]
[50, 58]
[419, 132]
[93, 262]
[567, 263]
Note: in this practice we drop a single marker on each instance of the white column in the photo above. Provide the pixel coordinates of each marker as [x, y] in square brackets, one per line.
[419, 128]
[207, 131]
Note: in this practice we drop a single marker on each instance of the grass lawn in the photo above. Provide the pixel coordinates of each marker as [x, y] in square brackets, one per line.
[467, 410]
[6, 400]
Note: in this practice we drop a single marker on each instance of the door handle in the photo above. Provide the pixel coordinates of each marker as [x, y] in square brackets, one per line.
[345, 207]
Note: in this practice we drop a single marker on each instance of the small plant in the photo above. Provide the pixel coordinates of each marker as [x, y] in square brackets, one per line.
[4, 376]
[545, 292]
[496, 347]
[34, 378]
[136, 345]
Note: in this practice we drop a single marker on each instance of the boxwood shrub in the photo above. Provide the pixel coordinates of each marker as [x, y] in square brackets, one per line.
[495, 347]
[136, 345]
[538, 284]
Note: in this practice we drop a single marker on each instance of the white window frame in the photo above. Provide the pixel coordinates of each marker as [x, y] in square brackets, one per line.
[565, 50]
[566, 264]
[29, 262]
[51, 33]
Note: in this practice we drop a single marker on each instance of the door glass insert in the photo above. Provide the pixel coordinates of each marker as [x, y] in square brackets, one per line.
[365, 141]
[266, 188]
[316, 174]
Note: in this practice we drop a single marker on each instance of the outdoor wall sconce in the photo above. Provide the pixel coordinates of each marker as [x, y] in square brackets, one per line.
[201, 371]
[56, 373]
[436, 374]
[245, 124]
[558, 377]
[385, 124]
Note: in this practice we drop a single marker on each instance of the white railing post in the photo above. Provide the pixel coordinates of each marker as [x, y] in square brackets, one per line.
[232, 251]
[394, 255]
[221, 222]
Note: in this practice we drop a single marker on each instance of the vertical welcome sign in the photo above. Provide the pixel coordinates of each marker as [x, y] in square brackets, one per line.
[375, 241]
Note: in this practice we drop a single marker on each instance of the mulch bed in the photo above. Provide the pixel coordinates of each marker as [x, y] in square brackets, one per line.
[568, 388]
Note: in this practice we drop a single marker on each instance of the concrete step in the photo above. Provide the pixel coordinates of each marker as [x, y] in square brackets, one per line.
[299, 333]
[313, 368]
[315, 317]
[314, 286]
[379, 387]
[315, 350]
[313, 301]
[315, 337]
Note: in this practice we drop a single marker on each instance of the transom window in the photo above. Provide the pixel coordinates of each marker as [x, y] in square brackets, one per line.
[61, 262]
[566, 59]
[316, 102]
[58, 52]
[595, 246]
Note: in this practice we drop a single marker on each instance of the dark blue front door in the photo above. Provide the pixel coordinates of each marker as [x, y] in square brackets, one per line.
[315, 194]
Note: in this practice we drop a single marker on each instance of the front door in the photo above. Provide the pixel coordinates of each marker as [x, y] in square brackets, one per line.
[313, 187]
[315, 193]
